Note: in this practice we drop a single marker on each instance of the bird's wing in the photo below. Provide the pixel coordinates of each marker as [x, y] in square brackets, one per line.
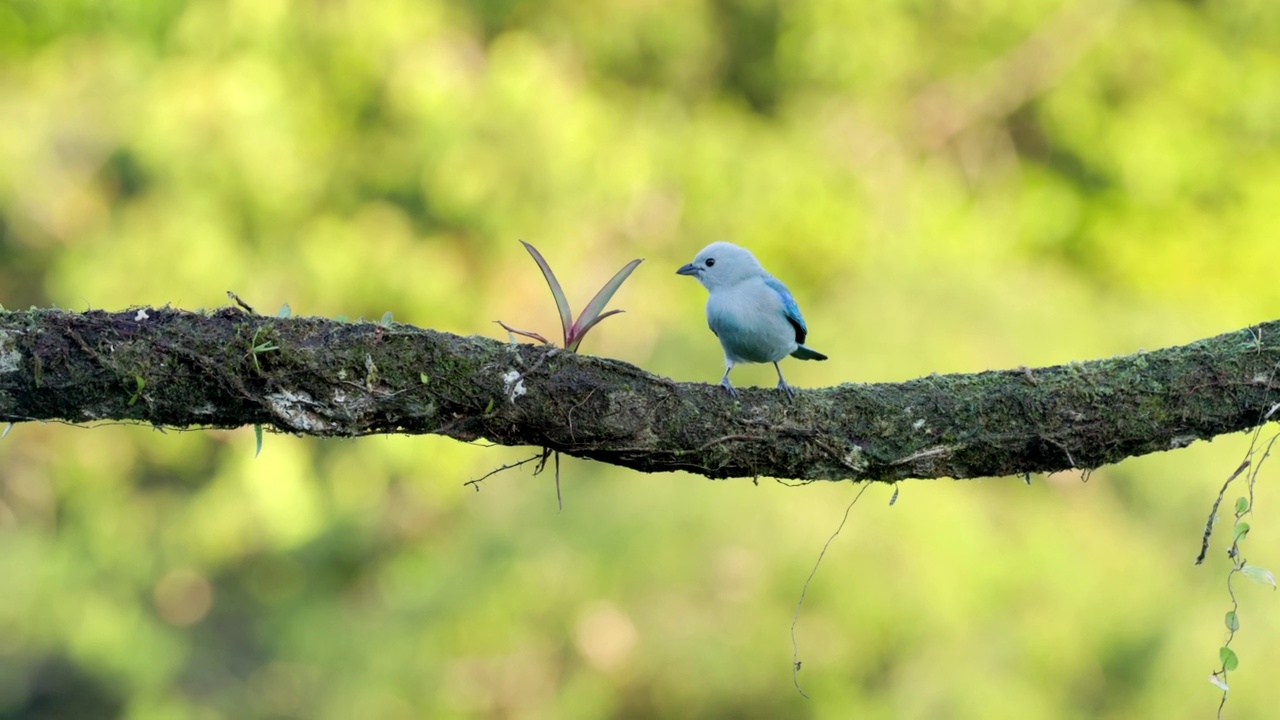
[789, 307]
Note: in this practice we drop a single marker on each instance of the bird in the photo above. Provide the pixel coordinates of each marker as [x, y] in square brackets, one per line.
[750, 311]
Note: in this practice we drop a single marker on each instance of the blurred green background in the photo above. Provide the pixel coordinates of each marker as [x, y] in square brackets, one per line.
[946, 185]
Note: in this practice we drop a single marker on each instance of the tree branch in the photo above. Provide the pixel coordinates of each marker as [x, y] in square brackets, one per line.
[322, 377]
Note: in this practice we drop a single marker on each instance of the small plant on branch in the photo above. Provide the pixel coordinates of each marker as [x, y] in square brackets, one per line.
[593, 313]
[574, 332]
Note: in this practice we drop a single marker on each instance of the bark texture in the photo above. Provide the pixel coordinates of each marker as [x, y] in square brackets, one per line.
[324, 377]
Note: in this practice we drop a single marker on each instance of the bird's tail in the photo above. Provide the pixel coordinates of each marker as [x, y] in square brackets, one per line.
[805, 353]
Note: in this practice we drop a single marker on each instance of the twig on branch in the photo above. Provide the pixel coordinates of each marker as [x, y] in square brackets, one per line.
[509, 466]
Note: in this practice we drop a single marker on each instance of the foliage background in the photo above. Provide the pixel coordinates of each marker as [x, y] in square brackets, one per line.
[946, 185]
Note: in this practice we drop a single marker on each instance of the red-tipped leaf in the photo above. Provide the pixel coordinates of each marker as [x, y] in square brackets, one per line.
[562, 303]
[525, 333]
[591, 313]
[580, 333]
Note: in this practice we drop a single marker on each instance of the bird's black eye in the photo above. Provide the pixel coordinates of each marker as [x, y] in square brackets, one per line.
[711, 261]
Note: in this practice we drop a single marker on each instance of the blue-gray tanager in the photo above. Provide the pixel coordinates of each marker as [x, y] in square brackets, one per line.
[751, 312]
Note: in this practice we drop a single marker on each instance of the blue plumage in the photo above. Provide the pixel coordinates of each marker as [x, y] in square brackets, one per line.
[752, 313]
[789, 307]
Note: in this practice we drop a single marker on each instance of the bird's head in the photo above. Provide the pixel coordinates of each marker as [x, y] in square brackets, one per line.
[722, 264]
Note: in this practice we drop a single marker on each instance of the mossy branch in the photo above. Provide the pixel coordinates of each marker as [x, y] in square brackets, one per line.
[323, 377]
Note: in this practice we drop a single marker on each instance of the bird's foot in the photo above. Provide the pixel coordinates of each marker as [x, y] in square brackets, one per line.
[783, 386]
[724, 383]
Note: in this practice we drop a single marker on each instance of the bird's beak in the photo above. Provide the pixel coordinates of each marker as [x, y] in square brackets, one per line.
[689, 269]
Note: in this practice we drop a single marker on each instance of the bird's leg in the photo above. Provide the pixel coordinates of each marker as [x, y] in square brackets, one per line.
[782, 384]
[724, 383]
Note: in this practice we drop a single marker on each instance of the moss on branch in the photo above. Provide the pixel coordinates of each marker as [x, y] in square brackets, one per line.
[324, 377]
